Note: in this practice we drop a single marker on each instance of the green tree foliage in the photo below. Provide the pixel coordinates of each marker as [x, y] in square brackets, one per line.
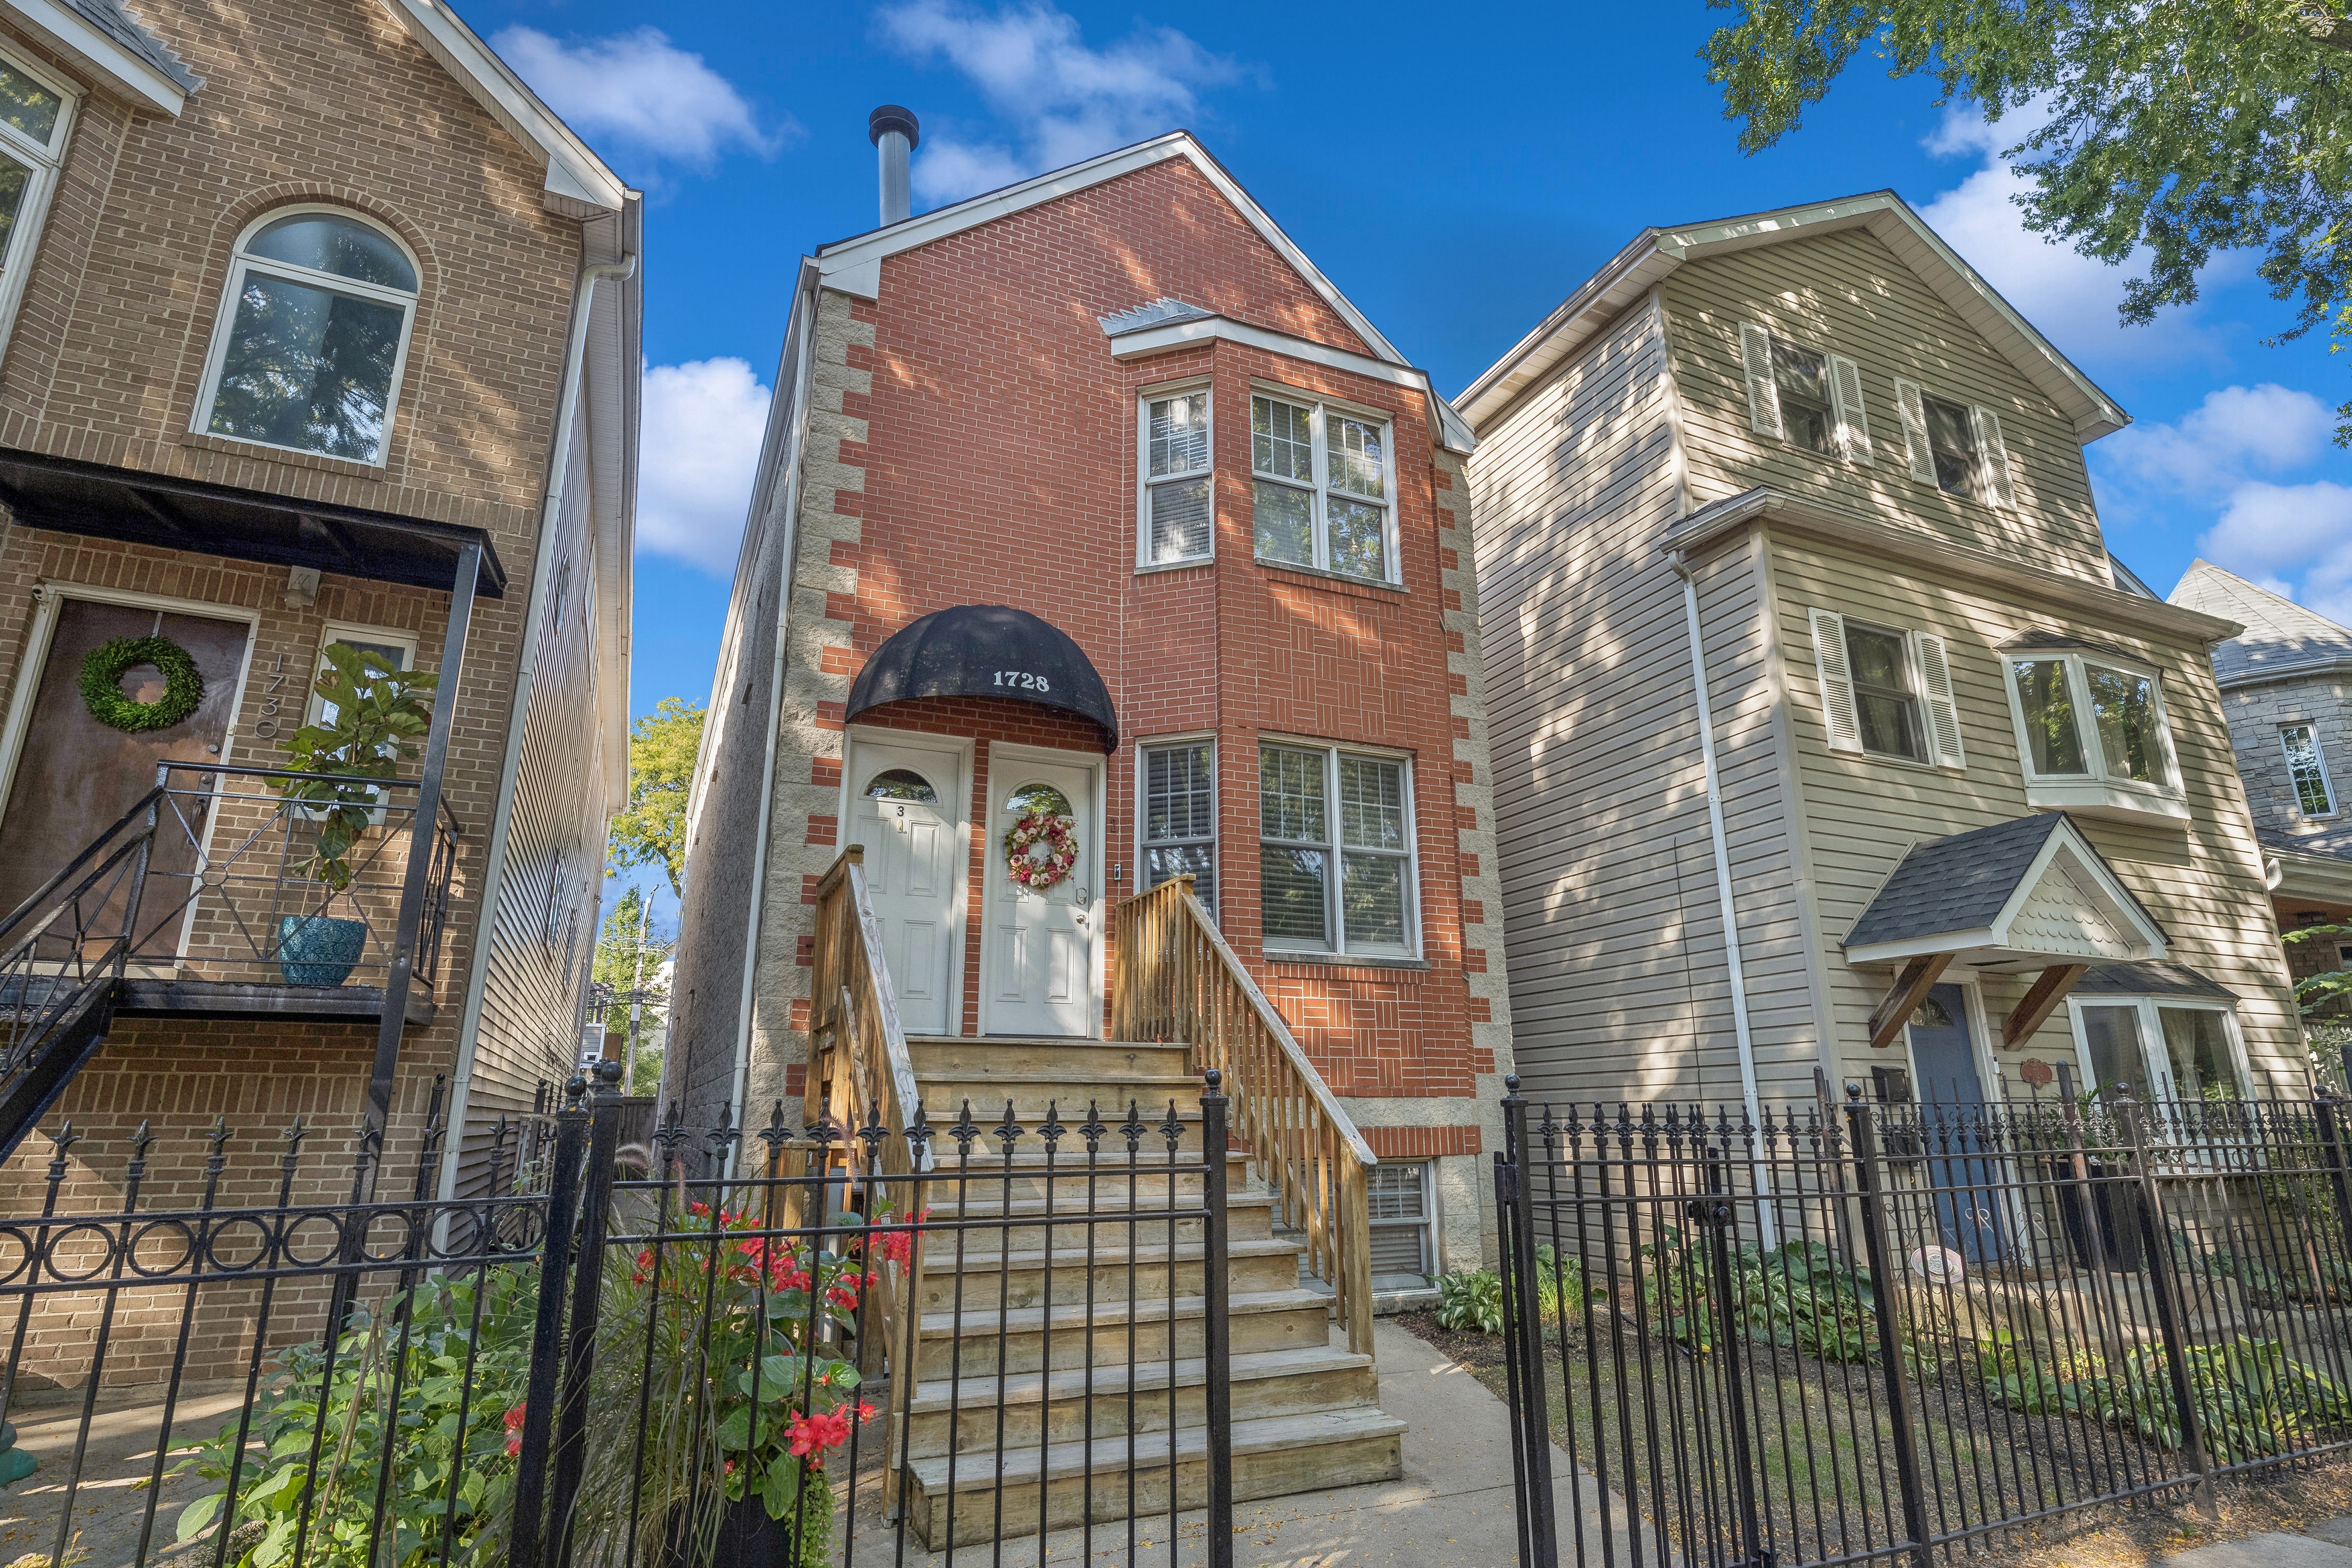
[2176, 128]
[615, 965]
[2314, 992]
[651, 830]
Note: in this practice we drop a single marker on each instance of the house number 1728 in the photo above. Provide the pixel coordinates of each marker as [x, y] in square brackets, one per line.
[1024, 679]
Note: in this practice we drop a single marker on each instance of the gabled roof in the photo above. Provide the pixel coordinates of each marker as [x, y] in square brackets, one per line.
[109, 40]
[1656, 252]
[579, 187]
[854, 266]
[2029, 888]
[2282, 639]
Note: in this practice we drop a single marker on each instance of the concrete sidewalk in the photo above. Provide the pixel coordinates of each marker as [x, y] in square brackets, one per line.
[1453, 1507]
[2327, 1544]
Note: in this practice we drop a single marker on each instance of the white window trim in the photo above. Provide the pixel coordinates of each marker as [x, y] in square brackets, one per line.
[1936, 705]
[1332, 913]
[1216, 806]
[2327, 780]
[32, 214]
[353, 632]
[2155, 1059]
[1996, 485]
[1318, 406]
[2098, 792]
[225, 323]
[1144, 481]
[1427, 1224]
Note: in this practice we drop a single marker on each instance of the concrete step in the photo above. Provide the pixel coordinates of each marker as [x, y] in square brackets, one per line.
[1114, 1060]
[987, 1342]
[1067, 1095]
[1022, 1278]
[1003, 1496]
[1077, 1405]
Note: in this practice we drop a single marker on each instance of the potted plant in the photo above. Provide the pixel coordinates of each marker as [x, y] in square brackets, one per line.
[371, 715]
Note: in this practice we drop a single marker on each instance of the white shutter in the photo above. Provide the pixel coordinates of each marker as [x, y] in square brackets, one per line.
[1943, 710]
[1912, 404]
[1763, 396]
[1854, 429]
[1998, 488]
[1837, 681]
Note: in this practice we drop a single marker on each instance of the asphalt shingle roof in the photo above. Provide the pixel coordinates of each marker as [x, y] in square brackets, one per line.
[2333, 839]
[1957, 883]
[2154, 977]
[2279, 632]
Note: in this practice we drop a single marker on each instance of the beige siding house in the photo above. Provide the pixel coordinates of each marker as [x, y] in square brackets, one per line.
[1830, 745]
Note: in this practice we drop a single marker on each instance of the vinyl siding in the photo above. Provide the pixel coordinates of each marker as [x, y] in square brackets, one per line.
[1619, 987]
[1847, 293]
[2202, 882]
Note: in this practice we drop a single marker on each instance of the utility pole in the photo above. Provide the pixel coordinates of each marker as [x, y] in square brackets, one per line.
[637, 996]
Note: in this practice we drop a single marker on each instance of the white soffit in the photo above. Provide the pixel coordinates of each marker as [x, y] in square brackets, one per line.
[578, 185]
[75, 36]
[1657, 252]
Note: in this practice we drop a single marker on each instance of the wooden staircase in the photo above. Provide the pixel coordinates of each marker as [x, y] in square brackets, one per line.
[1058, 1358]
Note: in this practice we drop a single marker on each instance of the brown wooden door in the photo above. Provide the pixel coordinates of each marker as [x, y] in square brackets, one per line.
[76, 776]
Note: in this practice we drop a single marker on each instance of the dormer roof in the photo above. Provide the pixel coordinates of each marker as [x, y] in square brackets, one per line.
[2281, 640]
[1655, 253]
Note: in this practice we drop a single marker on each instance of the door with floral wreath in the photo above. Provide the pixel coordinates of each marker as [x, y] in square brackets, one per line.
[1042, 919]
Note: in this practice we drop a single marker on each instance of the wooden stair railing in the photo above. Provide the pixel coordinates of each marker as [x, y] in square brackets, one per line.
[1177, 980]
[859, 1065]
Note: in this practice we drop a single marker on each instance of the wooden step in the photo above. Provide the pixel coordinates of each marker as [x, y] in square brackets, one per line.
[1068, 1096]
[1273, 1455]
[1249, 1216]
[992, 1277]
[986, 1342]
[950, 1056]
[1106, 1177]
[1075, 1405]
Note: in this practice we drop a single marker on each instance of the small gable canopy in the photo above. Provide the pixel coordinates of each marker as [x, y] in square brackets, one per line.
[2028, 892]
[986, 650]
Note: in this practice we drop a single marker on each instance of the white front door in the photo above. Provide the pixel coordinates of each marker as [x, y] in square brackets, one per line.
[904, 809]
[1042, 957]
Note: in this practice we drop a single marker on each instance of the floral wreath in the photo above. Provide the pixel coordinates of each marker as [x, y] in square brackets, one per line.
[102, 694]
[1061, 854]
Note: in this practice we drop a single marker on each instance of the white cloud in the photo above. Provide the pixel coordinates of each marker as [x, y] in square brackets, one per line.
[2236, 432]
[639, 88]
[1063, 100]
[2293, 538]
[699, 445]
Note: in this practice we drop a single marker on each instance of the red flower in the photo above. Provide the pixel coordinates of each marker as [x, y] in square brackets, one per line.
[514, 1430]
[812, 1435]
[864, 1411]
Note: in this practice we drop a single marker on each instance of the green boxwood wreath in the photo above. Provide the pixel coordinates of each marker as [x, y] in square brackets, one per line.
[101, 684]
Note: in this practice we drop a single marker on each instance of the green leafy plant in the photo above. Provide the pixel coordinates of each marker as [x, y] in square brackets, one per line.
[375, 713]
[101, 684]
[1560, 1283]
[2315, 994]
[1470, 1301]
[351, 1407]
[1799, 1294]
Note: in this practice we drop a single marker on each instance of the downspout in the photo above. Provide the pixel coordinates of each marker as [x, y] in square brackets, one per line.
[559, 462]
[1681, 564]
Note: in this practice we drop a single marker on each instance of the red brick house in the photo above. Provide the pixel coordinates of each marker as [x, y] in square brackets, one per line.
[1093, 495]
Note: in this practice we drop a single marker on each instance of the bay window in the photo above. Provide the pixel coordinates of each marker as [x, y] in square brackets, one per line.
[1176, 521]
[2092, 734]
[1335, 866]
[1322, 495]
[36, 114]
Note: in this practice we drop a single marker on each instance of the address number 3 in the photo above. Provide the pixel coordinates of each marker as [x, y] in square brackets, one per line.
[1024, 679]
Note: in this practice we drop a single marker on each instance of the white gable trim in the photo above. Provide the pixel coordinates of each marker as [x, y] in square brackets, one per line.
[578, 185]
[1143, 342]
[2066, 858]
[1657, 252]
[124, 72]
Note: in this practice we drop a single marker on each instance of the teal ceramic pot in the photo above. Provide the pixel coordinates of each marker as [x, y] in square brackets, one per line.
[315, 950]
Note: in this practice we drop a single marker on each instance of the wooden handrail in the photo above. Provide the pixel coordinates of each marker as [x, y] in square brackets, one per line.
[1176, 979]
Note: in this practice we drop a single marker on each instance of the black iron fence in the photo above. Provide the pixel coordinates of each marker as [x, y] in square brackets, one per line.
[1866, 1331]
[770, 1351]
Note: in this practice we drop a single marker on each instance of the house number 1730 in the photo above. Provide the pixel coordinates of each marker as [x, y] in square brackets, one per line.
[1024, 679]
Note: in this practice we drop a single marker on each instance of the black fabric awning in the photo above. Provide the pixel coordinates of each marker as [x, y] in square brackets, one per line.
[986, 650]
[140, 508]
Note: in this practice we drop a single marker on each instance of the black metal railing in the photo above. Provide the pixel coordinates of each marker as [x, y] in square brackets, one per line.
[771, 1349]
[1870, 1331]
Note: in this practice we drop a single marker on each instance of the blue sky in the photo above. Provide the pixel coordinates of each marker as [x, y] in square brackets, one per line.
[1456, 171]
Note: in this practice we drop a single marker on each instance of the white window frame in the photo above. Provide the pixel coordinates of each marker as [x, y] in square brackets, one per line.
[1216, 805]
[225, 323]
[2156, 1059]
[2097, 792]
[1927, 665]
[1849, 423]
[32, 214]
[1320, 490]
[2319, 757]
[1145, 481]
[1334, 916]
[1427, 1224]
[353, 632]
[1996, 466]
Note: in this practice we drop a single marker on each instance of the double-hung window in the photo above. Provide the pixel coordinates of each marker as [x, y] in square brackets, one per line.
[1179, 816]
[1177, 520]
[2091, 731]
[37, 113]
[2306, 768]
[1398, 1199]
[1335, 870]
[1807, 398]
[1322, 490]
[1955, 447]
[1886, 692]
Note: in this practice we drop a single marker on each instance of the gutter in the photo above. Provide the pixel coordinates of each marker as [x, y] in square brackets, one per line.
[575, 355]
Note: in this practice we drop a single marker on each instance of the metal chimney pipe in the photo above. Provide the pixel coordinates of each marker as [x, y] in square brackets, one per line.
[895, 136]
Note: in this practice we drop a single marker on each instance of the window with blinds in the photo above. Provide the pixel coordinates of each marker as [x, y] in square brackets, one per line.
[1179, 817]
[1178, 513]
[1399, 1195]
